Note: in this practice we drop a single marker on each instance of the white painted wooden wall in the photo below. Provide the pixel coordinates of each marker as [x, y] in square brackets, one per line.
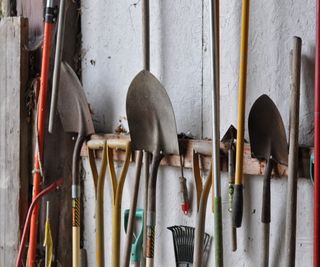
[112, 55]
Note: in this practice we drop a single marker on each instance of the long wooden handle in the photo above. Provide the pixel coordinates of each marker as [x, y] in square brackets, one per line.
[238, 194]
[291, 220]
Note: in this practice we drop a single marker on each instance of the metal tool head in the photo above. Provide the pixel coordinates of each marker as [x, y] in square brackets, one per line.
[150, 115]
[72, 104]
[267, 132]
[230, 135]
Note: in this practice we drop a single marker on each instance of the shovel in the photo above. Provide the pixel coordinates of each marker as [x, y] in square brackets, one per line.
[153, 129]
[268, 142]
[75, 118]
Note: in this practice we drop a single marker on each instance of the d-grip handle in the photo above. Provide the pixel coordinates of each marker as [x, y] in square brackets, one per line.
[119, 144]
[266, 199]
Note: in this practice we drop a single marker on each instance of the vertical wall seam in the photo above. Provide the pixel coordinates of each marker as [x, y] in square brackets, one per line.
[202, 68]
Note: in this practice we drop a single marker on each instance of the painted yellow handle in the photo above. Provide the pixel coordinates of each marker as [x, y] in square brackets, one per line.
[75, 246]
[242, 89]
[117, 188]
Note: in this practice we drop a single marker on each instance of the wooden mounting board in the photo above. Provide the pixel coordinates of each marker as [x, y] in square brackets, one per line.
[251, 165]
[14, 172]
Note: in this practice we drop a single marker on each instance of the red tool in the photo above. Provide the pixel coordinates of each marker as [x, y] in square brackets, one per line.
[33, 205]
[49, 20]
[316, 241]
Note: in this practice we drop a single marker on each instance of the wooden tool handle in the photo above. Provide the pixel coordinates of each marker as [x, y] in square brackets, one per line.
[119, 144]
[96, 144]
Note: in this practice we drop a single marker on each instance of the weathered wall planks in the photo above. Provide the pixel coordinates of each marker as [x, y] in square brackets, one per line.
[13, 134]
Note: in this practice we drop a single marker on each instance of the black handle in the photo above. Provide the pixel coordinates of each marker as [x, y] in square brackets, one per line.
[266, 199]
[237, 205]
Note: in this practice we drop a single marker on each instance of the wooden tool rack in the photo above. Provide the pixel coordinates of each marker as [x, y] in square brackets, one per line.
[251, 166]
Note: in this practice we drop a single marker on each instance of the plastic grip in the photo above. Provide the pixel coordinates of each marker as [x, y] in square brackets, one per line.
[237, 205]
[218, 232]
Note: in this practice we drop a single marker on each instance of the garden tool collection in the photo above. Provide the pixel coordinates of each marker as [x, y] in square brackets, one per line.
[49, 21]
[202, 198]
[291, 211]
[136, 245]
[117, 188]
[229, 139]
[153, 134]
[183, 242]
[237, 206]
[98, 179]
[75, 118]
[268, 142]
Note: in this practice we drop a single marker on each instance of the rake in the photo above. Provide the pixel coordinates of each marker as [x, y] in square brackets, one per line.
[183, 241]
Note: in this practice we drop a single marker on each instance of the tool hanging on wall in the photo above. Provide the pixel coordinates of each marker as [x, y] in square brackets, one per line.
[132, 214]
[98, 180]
[202, 198]
[316, 215]
[75, 117]
[183, 242]
[47, 243]
[291, 219]
[152, 128]
[237, 208]
[229, 139]
[215, 80]
[136, 245]
[268, 142]
[54, 186]
[49, 22]
[57, 63]
[117, 188]
[185, 202]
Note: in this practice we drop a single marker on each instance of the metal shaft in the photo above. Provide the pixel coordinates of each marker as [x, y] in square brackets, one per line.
[146, 34]
[57, 63]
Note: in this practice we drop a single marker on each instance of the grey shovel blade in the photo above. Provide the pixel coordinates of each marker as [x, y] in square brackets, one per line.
[72, 103]
[267, 132]
[150, 116]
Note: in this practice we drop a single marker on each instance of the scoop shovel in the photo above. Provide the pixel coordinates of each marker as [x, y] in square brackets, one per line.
[268, 142]
[75, 118]
[153, 129]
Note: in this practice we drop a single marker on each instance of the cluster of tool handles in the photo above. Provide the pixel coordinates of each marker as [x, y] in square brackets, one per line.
[153, 135]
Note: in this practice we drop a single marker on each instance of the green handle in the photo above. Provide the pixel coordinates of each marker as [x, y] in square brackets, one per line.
[237, 205]
[218, 242]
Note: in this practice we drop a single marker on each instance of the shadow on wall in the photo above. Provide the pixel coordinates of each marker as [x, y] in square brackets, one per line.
[307, 96]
